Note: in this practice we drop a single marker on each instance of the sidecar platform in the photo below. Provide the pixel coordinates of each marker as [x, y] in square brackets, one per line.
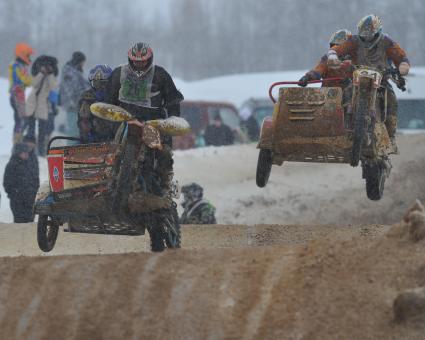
[307, 126]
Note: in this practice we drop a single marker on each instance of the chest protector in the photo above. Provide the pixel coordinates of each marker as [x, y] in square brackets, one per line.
[374, 55]
[137, 89]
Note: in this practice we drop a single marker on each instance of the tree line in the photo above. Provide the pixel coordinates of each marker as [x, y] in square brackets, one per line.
[196, 39]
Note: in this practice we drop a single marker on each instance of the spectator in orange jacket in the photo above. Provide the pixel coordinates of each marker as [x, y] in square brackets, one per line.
[19, 80]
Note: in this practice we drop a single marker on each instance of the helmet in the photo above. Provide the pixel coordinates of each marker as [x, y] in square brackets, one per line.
[370, 28]
[141, 52]
[24, 51]
[339, 37]
[192, 192]
[99, 75]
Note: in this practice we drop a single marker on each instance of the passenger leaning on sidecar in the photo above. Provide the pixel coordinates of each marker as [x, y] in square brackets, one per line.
[148, 92]
[93, 129]
[321, 70]
[371, 47]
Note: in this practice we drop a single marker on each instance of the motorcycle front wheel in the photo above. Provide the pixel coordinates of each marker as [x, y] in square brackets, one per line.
[359, 126]
[165, 230]
[375, 176]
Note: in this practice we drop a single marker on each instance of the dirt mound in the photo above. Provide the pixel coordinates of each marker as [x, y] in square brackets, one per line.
[320, 284]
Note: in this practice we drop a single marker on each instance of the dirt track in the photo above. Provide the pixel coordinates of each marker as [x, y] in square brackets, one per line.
[20, 240]
[339, 286]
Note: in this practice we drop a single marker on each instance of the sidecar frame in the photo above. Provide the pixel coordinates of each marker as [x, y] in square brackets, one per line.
[307, 126]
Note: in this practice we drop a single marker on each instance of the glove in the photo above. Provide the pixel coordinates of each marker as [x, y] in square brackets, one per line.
[404, 68]
[303, 81]
[333, 60]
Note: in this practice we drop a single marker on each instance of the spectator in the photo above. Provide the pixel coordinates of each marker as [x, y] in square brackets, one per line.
[19, 80]
[249, 123]
[38, 106]
[53, 95]
[72, 85]
[196, 209]
[21, 183]
[218, 133]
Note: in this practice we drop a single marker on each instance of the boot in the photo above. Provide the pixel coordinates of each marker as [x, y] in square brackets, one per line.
[166, 178]
[165, 170]
[394, 145]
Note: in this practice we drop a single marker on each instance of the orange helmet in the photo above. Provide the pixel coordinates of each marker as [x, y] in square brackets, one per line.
[24, 51]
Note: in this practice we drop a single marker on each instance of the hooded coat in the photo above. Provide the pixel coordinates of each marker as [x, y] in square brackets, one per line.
[72, 85]
[38, 101]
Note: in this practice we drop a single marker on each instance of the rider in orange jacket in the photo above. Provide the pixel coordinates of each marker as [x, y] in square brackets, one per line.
[371, 47]
[323, 71]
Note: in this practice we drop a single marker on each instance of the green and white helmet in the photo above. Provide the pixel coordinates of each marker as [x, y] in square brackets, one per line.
[339, 37]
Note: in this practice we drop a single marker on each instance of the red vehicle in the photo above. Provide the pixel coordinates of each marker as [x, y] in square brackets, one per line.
[199, 114]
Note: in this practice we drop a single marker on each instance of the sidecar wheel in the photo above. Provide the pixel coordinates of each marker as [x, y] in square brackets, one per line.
[47, 232]
[375, 176]
[264, 167]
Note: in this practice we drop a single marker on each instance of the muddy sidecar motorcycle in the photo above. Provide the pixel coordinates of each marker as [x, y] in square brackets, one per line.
[110, 188]
[316, 125]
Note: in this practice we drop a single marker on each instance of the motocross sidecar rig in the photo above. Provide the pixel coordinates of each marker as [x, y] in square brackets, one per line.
[95, 188]
[311, 125]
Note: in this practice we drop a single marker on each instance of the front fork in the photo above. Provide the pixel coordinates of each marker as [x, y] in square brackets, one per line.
[366, 87]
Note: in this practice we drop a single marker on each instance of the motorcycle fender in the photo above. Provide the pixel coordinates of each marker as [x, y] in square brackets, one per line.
[152, 137]
[383, 143]
[266, 134]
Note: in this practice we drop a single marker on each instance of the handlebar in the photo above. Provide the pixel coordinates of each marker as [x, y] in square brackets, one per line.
[397, 78]
[297, 83]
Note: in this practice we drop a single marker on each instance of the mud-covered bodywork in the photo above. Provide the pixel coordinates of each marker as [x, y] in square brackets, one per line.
[331, 125]
[308, 125]
[112, 187]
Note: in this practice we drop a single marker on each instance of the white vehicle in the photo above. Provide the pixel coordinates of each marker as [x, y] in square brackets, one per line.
[411, 104]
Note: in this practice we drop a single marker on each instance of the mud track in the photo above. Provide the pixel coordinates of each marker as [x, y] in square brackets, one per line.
[260, 282]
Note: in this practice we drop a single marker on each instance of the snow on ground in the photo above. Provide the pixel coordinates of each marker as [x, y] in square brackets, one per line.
[228, 174]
